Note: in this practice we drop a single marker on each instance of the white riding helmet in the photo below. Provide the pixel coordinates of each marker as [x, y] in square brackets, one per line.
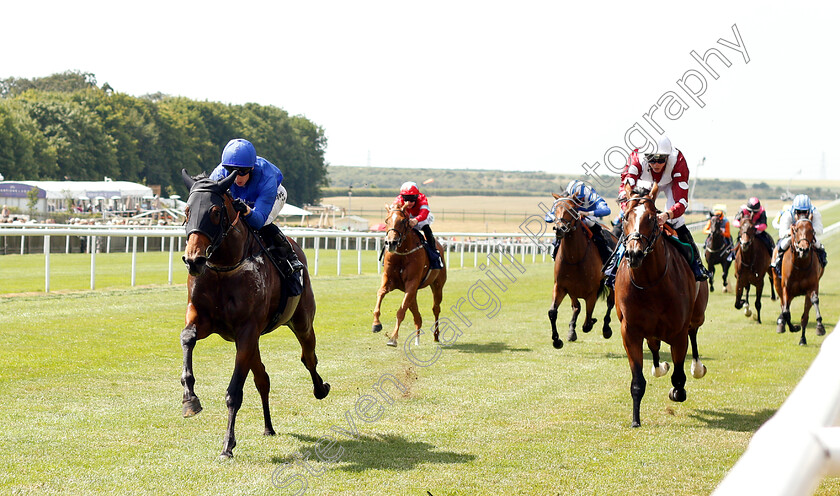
[663, 146]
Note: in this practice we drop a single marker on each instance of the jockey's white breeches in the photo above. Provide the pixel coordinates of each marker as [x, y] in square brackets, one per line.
[279, 203]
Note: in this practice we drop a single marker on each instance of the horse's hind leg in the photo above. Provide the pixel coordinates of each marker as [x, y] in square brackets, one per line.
[233, 398]
[746, 301]
[711, 267]
[306, 337]
[263, 384]
[637, 383]
[573, 323]
[772, 284]
[726, 264]
[418, 320]
[803, 322]
[698, 370]
[815, 299]
[559, 294]
[758, 289]
[589, 322]
[610, 304]
[437, 297]
[191, 404]
[678, 351]
[659, 368]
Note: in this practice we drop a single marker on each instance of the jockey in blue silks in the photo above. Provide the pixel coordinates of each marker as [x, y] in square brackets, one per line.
[259, 198]
[802, 208]
[588, 204]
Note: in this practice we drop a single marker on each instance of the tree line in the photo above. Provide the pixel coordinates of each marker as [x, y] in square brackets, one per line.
[67, 127]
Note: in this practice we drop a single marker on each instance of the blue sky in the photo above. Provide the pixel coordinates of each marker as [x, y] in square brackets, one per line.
[498, 85]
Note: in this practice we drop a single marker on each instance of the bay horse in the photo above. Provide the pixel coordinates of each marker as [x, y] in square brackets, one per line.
[716, 253]
[235, 291]
[407, 268]
[657, 299]
[577, 271]
[752, 263]
[801, 273]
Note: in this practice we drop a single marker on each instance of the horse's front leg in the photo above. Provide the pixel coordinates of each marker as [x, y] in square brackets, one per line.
[233, 399]
[803, 321]
[758, 290]
[637, 383]
[725, 265]
[573, 322]
[771, 276]
[746, 301]
[557, 297]
[784, 316]
[711, 269]
[263, 384]
[189, 336]
[384, 289]
[418, 321]
[739, 292]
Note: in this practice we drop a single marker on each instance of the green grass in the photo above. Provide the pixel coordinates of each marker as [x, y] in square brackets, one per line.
[92, 397]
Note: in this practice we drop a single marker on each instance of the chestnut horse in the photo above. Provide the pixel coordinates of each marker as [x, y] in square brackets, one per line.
[407, 268]
[577, 271]
[752, 263]
[801, 273]
[233, 290]
[716, 253]
[658, 299]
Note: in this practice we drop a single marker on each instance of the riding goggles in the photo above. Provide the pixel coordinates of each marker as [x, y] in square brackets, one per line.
[238, 170]
[409, 198]
[656, 158]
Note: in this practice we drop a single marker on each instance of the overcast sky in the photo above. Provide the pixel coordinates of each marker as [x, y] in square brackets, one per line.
[496, 85]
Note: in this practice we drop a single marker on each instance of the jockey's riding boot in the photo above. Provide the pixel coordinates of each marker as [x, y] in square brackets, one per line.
[282, 251]
[556, 245]
[611, 265]
[821, 254]
[776, 264]
[436, 262]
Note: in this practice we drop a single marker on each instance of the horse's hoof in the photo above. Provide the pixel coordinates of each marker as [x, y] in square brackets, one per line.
[780, 326]
[572, 336]
[558, 343]
[225, 456]
[796, 328]
[698, 370]
[661, 370]
[677, 395]
[392, 342]
[802, 341]
[725, 289]
[607, 333]
[589, 325]
[756, 317]
[711, 289]
[323, 392]
[820, 329]
[747, 312]
[192, 407]
[269, 432]
[376, 328]
[636, 424]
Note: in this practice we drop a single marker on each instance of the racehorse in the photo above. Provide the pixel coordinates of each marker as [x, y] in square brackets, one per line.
[577, 271]
[752, 262]
[801, 273]
[716, 252]
[235, 291]
[658, 299]
[407, 268]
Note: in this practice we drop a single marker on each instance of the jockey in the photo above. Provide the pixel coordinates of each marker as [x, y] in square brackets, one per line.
[754, 211]
[588, 204]
[801, 208]
[667, 167]
[417, 206]
[260, 197]
[720, 212]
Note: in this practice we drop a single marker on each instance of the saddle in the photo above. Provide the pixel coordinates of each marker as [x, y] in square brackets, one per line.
[684, 248]
[434, 258]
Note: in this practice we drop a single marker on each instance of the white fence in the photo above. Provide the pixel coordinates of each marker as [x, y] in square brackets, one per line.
[364, 244]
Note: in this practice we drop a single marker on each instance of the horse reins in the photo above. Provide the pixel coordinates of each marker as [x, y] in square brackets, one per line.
[651, 243]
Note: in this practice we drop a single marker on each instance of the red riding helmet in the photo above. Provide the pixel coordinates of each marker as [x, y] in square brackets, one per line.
[409, 189]
[753, 205]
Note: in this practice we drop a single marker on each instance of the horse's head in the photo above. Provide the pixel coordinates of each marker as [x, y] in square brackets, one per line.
[641, 229]
[746, 232]
[802, 236]
[209, 215]
[565, 215]
[716, 225]
[398, 228]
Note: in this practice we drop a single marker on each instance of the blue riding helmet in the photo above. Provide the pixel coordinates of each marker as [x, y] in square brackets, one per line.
[802, 203]
[239, 153]
[575, 189]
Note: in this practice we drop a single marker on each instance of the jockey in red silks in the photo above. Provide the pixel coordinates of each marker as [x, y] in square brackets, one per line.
[756, 213]
[667, 167]
[417, 206]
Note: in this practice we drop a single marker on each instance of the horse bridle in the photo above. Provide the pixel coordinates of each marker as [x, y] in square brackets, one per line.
[217, 239]
[402, 234]
[796, 242]
[636, 235]
[717, 230]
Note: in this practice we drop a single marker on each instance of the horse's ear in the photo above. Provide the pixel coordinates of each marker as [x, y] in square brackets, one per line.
[556, 196]
[226, 183]
[387, 207]
[654, 191]
[188, 180]
[628, 191]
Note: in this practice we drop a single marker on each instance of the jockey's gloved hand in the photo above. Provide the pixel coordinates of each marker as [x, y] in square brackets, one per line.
[240, 206]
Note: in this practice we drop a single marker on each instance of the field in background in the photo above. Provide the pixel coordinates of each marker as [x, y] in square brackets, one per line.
[504, 213]
[91, 382]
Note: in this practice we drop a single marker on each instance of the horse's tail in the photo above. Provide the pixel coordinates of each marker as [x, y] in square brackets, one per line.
[603, 290]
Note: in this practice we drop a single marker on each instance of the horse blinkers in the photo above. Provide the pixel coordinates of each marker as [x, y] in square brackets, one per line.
[207, 215]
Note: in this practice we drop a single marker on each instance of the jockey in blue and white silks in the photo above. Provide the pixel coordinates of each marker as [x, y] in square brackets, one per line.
[588, 204]
[801, 208]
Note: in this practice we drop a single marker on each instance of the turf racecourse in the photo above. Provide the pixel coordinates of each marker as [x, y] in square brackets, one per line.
[92, 397]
